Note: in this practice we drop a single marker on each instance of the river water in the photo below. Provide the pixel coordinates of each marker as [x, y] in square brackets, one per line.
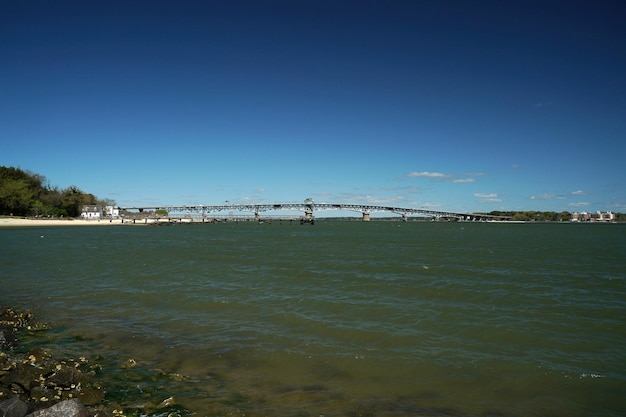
[336, 319]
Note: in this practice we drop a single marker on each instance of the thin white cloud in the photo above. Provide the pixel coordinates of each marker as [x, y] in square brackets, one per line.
[579, 192]
[427, 174]
[245, 200]
[515, 166]
[618, 206]
[547, 197]
[445, 177]
[428, 205]
[488, 197]
[362, 198]
[406, 188]
[579, 204]
[396, 200]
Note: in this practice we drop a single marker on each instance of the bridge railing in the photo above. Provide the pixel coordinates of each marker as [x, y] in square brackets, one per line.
[309, 207]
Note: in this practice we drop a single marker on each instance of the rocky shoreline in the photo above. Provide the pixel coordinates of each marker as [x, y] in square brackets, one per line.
[36, 384]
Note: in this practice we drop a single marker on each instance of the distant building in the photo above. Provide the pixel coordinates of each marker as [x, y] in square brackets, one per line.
[112, 212]
[598, 216]
[604, 217]
[91, 212]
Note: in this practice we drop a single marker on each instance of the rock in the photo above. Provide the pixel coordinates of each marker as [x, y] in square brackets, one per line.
[4, 362]
[67, 408]
[91, 395]
[40, 382]
[20, 377]
[38, 355]
[44, 396]
[7, 338]
[43, 381]
[4, 343]
[10, 322]
[12, 318]
[66, 377]
[13, 407]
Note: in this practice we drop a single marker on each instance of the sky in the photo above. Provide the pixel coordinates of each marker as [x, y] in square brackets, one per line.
[464, 106]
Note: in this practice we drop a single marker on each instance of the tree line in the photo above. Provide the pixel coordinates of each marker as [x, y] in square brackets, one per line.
[24, 193]
[544, 216]
[538, 216]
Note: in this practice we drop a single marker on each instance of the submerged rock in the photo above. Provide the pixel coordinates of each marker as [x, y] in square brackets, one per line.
[41, 380]
[6, 339]
[11, 322]
[45, 386]
[38, 381]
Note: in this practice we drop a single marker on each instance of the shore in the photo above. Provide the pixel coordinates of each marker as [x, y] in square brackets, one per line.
[155, 221]
[20, 221]
[39, 383]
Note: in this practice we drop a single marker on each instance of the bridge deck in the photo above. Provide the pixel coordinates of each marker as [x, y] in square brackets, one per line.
[309, 208]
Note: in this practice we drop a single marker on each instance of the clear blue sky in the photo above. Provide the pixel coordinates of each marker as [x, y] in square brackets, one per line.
[450, 105]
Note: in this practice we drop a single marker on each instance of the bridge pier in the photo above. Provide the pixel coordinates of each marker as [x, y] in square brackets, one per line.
[308, 217]
[308, 206]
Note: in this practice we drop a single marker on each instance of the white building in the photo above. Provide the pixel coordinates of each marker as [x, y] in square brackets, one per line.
[112, 212]
[91, 212]
[604, 217]
[599, 216]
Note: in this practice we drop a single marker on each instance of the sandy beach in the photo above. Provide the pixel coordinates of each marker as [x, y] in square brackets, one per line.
[15, 221]
[21, 221]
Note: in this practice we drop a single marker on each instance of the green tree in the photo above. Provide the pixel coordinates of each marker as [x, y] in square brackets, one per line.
[520, 216]
[24, 193]
[16, 197]
[565, 216]
[74, 200]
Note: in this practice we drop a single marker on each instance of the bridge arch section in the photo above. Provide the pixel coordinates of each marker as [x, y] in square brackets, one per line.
[309, 207]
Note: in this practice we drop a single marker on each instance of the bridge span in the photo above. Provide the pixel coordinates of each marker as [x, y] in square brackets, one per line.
[308, 207]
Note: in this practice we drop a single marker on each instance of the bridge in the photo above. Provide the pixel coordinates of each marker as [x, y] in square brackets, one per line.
[308, 207]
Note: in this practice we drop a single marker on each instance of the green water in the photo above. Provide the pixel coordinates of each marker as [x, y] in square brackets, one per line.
[339, 318]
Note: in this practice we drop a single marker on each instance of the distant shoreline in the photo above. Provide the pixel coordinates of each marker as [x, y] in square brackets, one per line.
[21, 221]
[31, 221]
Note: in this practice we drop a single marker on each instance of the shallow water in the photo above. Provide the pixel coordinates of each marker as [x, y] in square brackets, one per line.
[339, 318]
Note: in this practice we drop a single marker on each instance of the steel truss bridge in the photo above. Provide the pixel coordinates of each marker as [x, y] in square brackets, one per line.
[308, 207]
